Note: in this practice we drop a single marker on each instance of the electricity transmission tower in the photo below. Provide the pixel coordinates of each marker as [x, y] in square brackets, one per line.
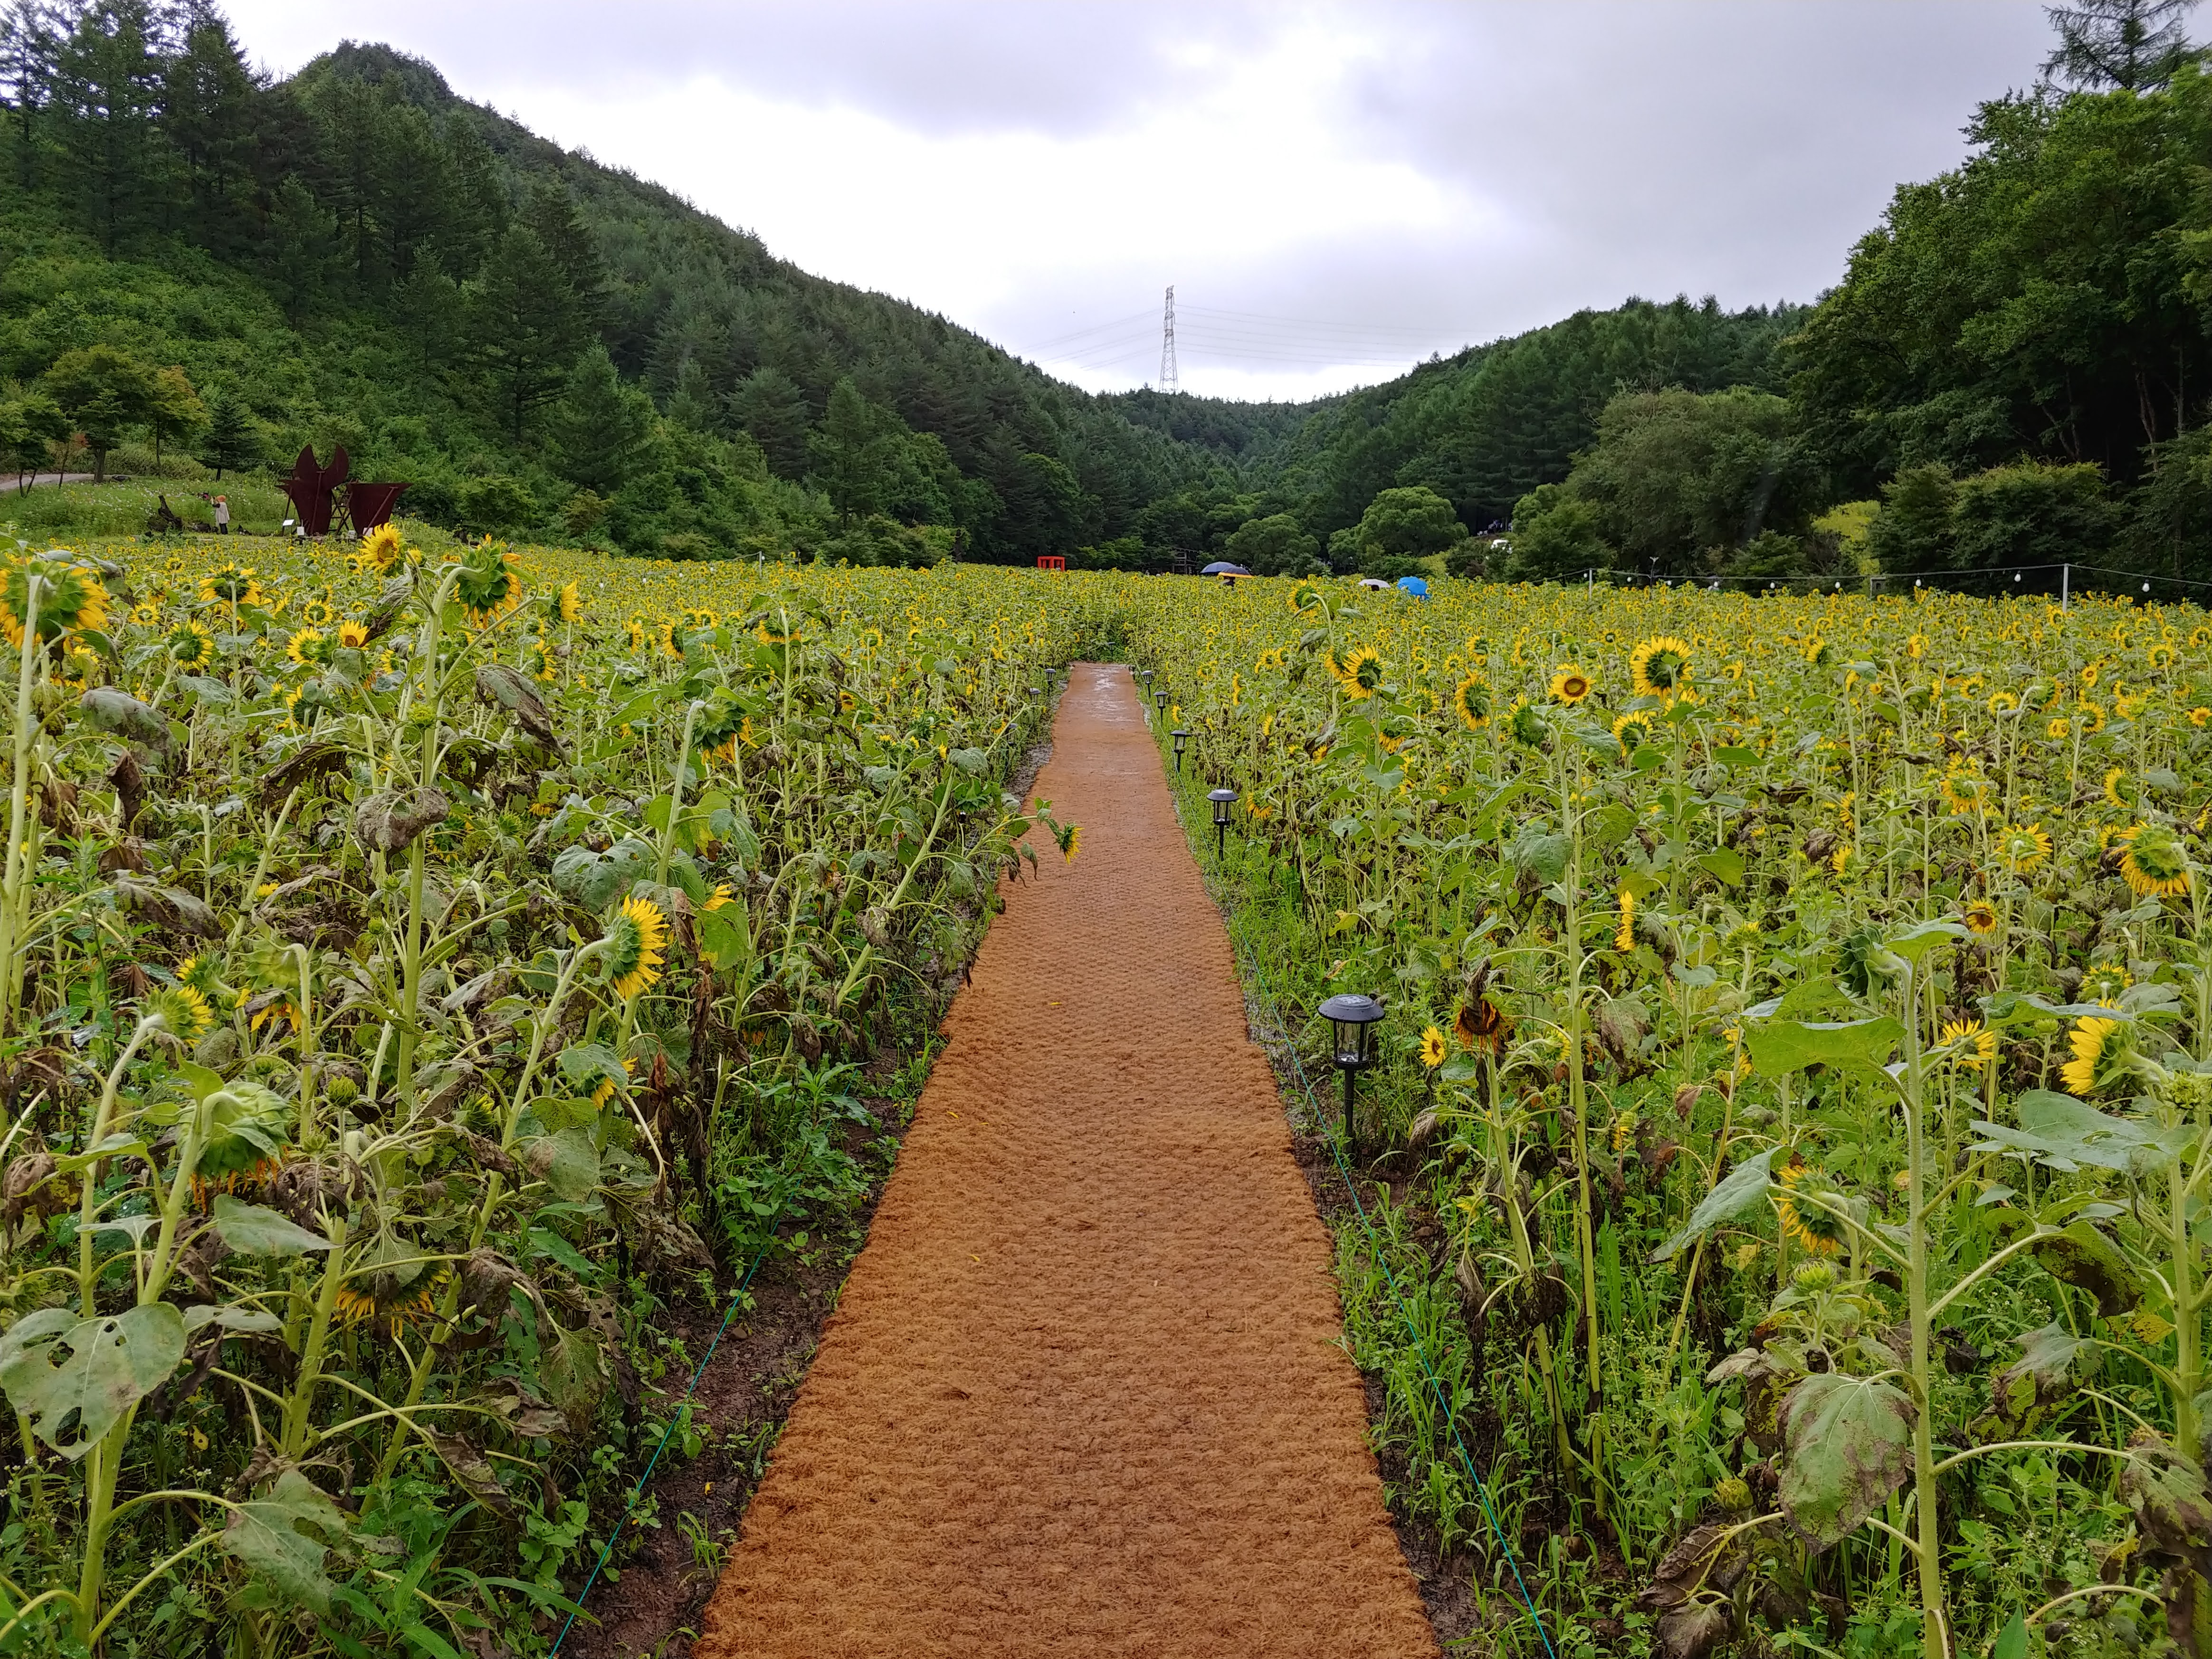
[1167, 379]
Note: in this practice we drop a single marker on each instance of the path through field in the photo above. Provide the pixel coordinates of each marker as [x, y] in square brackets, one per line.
[1082, 1395]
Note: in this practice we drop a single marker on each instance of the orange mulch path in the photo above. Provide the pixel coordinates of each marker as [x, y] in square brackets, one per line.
[1083, 1395]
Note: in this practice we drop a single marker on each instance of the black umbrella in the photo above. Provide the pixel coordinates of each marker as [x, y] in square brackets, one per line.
[1222, 567]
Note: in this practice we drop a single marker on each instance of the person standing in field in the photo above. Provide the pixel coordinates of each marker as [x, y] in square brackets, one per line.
[222, 515]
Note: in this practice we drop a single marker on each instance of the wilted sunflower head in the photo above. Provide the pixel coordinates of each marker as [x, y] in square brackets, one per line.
[1808, 1203]
[1480, 1026]
[635, 934]
[1471, 702]
[2155, 862]
[1658, 666]
[1569, 685]
[71, 597]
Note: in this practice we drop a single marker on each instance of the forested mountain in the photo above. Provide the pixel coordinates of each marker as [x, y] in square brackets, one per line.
[537, 342]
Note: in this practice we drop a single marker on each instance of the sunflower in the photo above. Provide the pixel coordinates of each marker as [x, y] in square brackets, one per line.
[634, 635]
[2057, 729]
[388, 1303]
[1480, 1025]
[1916, 647]
[233, 585]
[701, 621]
[2088, 677]
[308, 648]
[489, 586]
[2154, 862]
[1624, 938]
[70, 598]
[2161, 655]
[1840, 859]
[146, 616]
[1359, 672]
[605, 1091]
[719, 897]
[1471, 702]
[352, 635]
[1967, 790]
[1980, 917]
[190, 645]
[1070, 842]
[2092, 717]
[1658, 666]
[2199, 716]
[1632, 728]
[1432, 1048]
[2003, 703]
[184, 1011]
[1805, 1216]
[635, 934]
[2119, 789]
[569, 604]
[382, 549]
[1527, 725]
[2093, 1052]
[1977, 1047]
[1569, 685]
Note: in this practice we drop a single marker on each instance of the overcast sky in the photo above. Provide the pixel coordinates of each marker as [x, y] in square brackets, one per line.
[1335, 191]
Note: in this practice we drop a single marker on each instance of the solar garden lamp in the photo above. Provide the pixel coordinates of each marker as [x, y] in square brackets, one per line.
[1181, 738]
[1355, 1021]
[1160, 699]
[1222, 800]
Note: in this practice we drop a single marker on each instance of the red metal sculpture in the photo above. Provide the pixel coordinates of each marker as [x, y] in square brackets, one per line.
[324, 498]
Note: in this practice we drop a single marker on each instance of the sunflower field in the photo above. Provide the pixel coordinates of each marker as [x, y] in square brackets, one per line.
[1789, 1140]
[422, 971]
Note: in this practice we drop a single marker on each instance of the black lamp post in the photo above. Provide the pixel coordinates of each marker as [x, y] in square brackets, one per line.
[1356, 1021]
[1145, 686]
[1181, 738]
[1222, 800]
[1160, 699]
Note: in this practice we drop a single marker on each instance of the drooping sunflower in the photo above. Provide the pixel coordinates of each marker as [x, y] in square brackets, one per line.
[1569, 685]
[2155, 863]
[2094, 1053]
[1967, 790]
[233, 585]
[2120, 789]
[1527, 725]
[1807, 1204]
[1432, 1048]
[1980, 916]
[2092, 717]
[1632, 728]
[1977, 1047]
[2161, 655]
[569, 604]
[184, 1011]
[308, 648]
[489, 585]
[1624, 936]
[1358, 671]
[1481, 1026]
[636, 932]
[605, 1091]
[1916, 647]
[1471, 702]
[1658, 666]
[190, 645]
[2003, 702]
[71, 600]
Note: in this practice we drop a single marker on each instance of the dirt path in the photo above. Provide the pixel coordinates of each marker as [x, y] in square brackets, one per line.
[1082, 1394]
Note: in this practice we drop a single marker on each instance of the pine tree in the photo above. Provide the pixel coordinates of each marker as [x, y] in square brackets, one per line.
[524, 327]
[600, 425]
[232, 444]
[2134, 45]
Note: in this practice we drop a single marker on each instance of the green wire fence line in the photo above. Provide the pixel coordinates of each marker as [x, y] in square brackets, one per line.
[1273, 1008]
[689, 1389]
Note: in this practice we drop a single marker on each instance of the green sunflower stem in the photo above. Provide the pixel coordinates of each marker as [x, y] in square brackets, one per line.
[11, 907]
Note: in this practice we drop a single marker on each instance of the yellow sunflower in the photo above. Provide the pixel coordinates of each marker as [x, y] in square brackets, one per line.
[1471, 702]
[635, 934]
[352, 635]
[1980, 917]
[1624, 936]
[2091, 1040]
[2119, 789]
[190, 645]
[1658, 666]
[1432, 1048]
[1359, 672]
[1977, 1047]
[1569, 685]
[2154, 862]
[308, 648]
[383, 548]
[71, 600]
[1805, 1217]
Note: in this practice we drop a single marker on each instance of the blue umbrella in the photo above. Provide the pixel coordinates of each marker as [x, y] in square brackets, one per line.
[1415, 585]
[1222, 567]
